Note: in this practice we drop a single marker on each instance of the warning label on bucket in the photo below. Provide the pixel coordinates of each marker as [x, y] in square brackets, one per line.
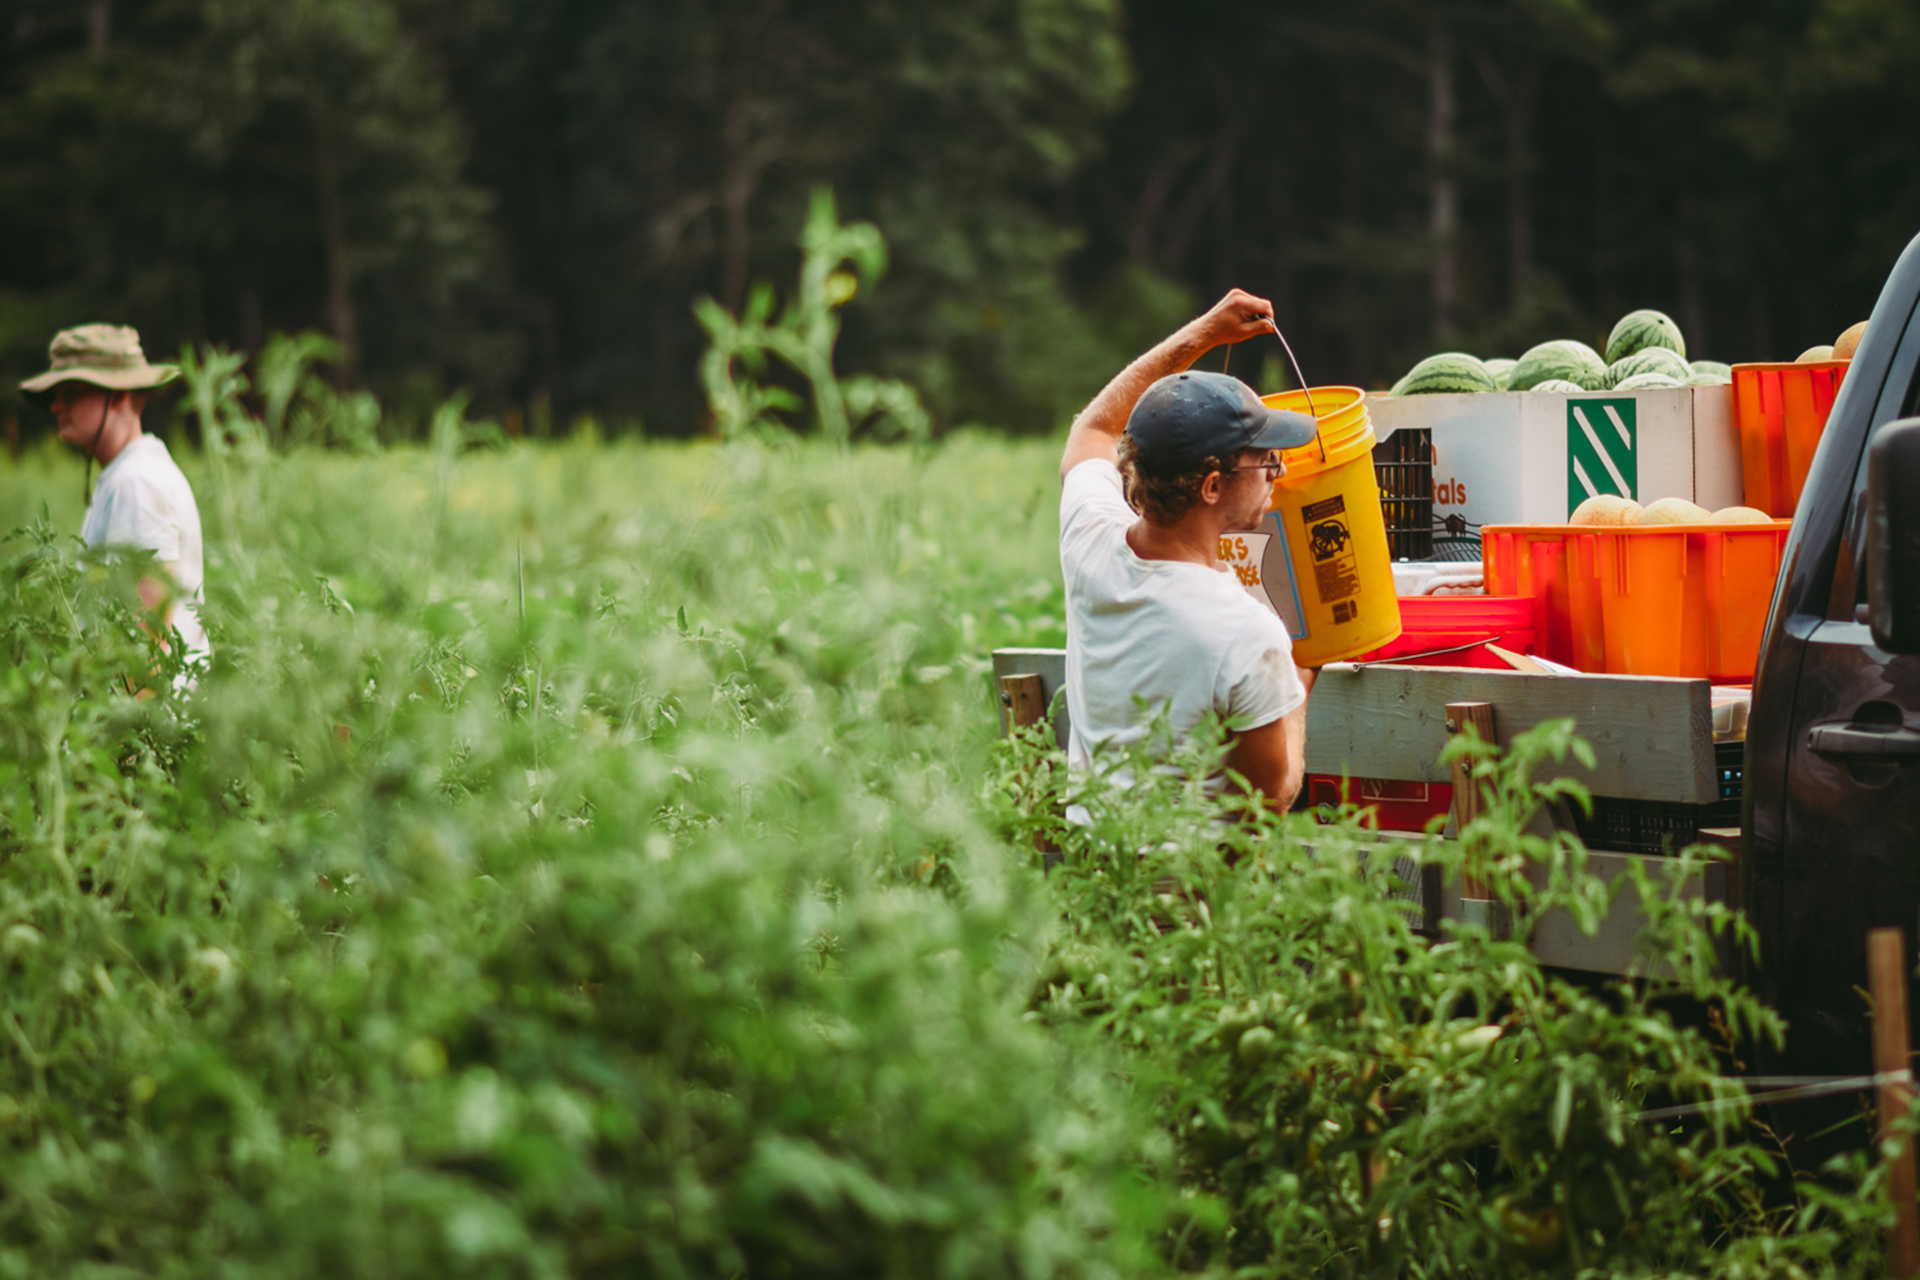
[1336, 572]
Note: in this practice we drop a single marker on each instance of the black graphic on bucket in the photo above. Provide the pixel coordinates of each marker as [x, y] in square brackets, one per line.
[1336, 571]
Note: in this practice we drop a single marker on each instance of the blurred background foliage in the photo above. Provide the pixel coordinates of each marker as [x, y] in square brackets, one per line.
[526, 197]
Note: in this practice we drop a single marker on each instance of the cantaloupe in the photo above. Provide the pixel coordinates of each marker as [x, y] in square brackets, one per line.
[1812, 354]
[1674, 511]
[1741, 515]
[1607, 509]
[1847, 343]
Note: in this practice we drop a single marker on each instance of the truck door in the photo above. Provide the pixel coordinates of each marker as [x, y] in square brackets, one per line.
[1848, 852]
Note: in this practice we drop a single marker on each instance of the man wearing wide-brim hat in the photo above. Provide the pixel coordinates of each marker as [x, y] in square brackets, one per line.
[97, 387]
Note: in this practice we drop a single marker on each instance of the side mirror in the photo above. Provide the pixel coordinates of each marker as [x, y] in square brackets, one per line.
[1893, 536]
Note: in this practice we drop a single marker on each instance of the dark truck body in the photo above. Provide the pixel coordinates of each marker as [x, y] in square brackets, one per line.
[1831, 810]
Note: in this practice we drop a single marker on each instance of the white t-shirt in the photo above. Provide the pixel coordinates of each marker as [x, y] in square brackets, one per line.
[1178, 634]
[144, 502]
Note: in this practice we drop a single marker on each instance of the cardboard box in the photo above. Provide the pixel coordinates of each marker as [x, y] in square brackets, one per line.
[1526, 457]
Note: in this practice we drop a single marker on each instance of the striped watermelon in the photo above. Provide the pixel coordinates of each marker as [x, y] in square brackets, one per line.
[1648, 382]
[1714, 367]
[1576, 362]
[1648, 360]
[1558, 385]
[1645, 328]
[1450, 371]
[1708, 378]
[1501, 368]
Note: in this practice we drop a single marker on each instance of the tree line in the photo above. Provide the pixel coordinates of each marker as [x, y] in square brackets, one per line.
[527, 198]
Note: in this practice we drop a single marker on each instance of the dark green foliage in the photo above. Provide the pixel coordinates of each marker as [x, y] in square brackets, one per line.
[525, 197]
[1346, 1099]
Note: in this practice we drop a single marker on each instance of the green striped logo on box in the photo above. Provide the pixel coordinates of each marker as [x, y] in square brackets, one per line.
[1601, 436]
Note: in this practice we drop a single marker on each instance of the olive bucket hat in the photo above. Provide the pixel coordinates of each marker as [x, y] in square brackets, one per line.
[105, 355]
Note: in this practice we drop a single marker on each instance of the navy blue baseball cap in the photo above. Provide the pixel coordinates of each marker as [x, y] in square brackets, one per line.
[1186, 418]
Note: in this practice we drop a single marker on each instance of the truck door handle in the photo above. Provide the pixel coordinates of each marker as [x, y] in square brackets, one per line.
[1863, 740]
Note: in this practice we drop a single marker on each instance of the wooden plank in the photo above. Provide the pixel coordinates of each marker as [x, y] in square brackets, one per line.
[1652, 736]
[1892, 1062]
[1727, 838]
[1467, 798]
[1050, 665]
[1557, 941]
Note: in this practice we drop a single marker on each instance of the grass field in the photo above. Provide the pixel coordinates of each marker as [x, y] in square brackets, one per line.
[596, 860]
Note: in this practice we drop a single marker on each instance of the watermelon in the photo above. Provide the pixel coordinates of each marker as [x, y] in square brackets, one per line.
[1708, 378]
[1648, 382]
[1648, 360]
[1575, 362]
[1645, 328]
[1814, 355]
[1558, 385]
[1454, 371]
[1501, 368]
[1712, 366]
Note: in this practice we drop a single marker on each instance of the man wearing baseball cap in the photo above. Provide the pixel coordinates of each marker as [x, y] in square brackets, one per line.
[96, 387]
[1157, 467]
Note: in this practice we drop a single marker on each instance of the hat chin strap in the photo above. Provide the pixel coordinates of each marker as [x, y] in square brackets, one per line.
[86, 486]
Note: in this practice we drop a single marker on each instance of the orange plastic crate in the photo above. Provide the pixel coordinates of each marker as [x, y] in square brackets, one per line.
[1781, 409]
[1550, 563]
[1653, 600]
[1741, 566]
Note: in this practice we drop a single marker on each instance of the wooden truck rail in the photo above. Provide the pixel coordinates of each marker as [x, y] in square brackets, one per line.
[1652, 737]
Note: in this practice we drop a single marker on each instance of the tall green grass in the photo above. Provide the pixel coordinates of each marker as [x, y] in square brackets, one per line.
[536, 882]
[597, 860]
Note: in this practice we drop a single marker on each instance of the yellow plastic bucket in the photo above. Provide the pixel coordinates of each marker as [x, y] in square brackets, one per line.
[1326, 513]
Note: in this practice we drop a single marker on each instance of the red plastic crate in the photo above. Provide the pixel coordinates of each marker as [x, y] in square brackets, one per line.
[1464, 624]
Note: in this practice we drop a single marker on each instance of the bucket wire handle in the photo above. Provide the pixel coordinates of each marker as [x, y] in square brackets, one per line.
[1301, 380]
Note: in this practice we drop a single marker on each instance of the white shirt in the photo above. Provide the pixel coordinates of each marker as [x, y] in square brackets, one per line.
[1181, 635]
[144, 502]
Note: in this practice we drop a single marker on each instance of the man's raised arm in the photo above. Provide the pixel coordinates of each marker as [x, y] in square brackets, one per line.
[1096, 432]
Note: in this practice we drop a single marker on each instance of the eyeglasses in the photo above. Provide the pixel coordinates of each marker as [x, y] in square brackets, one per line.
[1273, 467]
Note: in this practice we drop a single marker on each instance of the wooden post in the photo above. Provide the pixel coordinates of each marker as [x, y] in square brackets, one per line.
[1024, 698]
[1467, 798]
[1892, 1062]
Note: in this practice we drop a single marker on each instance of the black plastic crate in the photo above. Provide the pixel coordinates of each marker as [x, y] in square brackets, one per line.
[1658, 826]
[1403, 468]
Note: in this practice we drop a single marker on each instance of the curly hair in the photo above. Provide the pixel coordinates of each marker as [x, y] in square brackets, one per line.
[1163, 500]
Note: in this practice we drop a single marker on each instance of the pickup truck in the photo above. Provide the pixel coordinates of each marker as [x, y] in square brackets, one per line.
[1830, 817]
[1829, 840]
